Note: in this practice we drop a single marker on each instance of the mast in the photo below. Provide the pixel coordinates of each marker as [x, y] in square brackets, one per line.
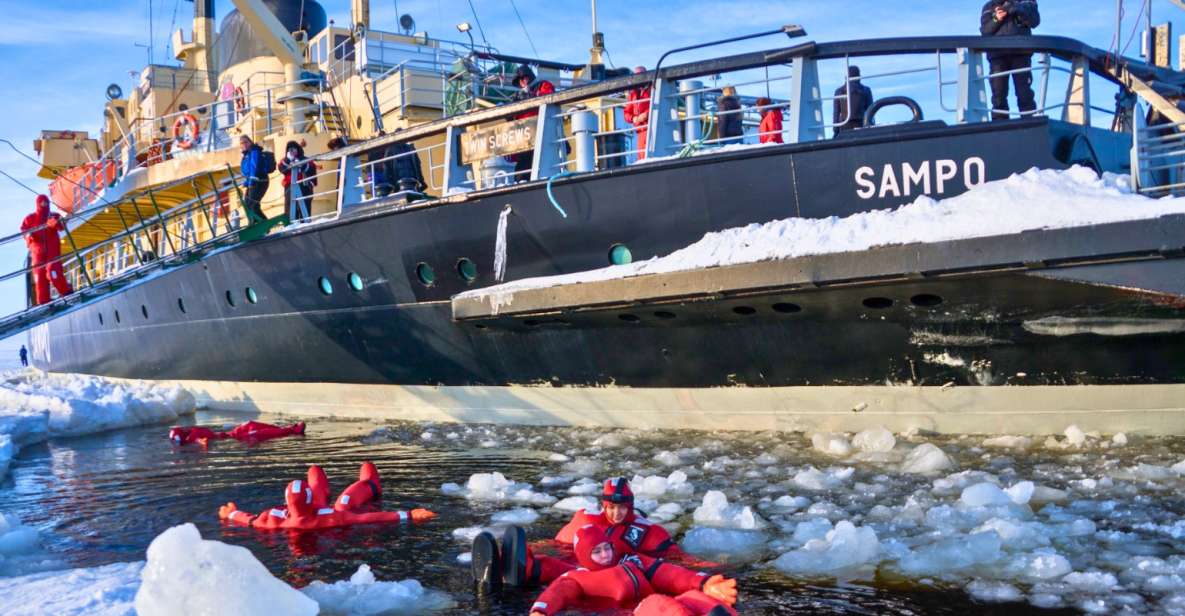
[360, 15]
[596, 63]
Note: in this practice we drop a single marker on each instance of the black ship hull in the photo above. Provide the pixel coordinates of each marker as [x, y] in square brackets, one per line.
[1100, 324]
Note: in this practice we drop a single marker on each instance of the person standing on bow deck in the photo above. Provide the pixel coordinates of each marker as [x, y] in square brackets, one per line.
[1010, 18]
[528, 88]
[45, 246]
[637, 112]
[255, 171]
[299, 181]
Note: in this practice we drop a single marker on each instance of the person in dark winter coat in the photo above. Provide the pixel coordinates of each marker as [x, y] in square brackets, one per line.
[300, 173]
[728, 117]
[1010, 18]
[403, 167]
[861, 98]
[255, 178]
[528, 87]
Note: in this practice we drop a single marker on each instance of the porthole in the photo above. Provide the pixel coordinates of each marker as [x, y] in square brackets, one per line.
[925, 300]
[467, 270]
[355, 281]
[663, 314]
[619, 254]
[877, 303]
[117, 319]
[326, 286]
[181, 305]
[230, 299]
[745, 310]
[144, 310]
[251, 296]
[629, 318]
[426, 274]
[786, 308]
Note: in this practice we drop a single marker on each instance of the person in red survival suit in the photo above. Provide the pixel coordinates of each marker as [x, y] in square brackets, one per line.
[41, 235]
[528, 87]
[517, 564]
[604, 582]
[302, 511]
[251, 431]
[637, 112]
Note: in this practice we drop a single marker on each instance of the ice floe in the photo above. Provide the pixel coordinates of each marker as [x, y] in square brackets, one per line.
[496, 487]
[363, 595]
[109, 590]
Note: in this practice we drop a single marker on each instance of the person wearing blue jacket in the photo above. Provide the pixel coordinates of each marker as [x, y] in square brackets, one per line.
[255, 180]
[1010, 18]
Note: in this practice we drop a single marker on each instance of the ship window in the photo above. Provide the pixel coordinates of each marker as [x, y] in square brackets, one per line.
[181, 305]
[426, 274]
[745, 310]
[356, 282]
[877, 303]
[144, 310]
[467, 269]
[786, 308]
[925, 300]
[326, 286]
[619, 254]
[251, 296]
[230, 299]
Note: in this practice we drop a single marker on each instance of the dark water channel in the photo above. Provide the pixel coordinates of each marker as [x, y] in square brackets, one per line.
[103, 498]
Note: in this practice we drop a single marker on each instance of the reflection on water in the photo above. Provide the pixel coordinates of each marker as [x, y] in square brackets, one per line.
[103, 498]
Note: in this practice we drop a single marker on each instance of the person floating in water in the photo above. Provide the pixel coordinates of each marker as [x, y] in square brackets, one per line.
[24, 356]
[251, 432]
[607, 580]
[517, 564]
[307, 505]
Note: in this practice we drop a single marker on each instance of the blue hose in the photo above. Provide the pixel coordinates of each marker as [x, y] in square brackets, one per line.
[551, 197]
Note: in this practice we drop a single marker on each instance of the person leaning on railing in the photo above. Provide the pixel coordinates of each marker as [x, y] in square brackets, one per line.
[1010, 18]
[255, 170]
[860, 97]
[637, 112]
[300, 178]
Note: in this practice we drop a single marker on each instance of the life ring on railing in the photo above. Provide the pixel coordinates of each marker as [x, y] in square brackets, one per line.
[185, 131]
[240, 100]
[914, 107]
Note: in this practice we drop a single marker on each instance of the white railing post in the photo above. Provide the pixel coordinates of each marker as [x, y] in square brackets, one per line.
[973, 101]
[806, 106]
[1077, 107]
[454, 169]
[663, 133]
[349, 191]
[549, 131]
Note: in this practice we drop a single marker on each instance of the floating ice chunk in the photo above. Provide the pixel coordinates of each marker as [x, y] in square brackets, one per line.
[363, 595]
[1179, 468]
[465, 534]
[985, 495]
[465, 558]
[1021, 492]
[724, 545]
[576, 503]
[1075, 437]
[994, 592]
[952, 555]
[791, 503]
[585, 486]
[874, 440]
[668, 458]
[1119, 440]
[610, 440]
[1009, 442]
[814, 528]
[1042, 564]
[656, 486]
[831, 444]
[665, 512]
[1045, 494]
[558, 457]
[926, 459]
[519, 517]
[188, 575]
[550, 480]
[15, 537]
[715, 511]
[1094, 581]
[844, 547]
[766, 459]
[812, 478]
[1015, 534]
[583, 466]
[496, 487]
[96, 591]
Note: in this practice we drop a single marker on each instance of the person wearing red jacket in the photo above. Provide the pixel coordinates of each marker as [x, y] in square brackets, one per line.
[303, 511]
[528, 88]
[41, 230]
[517, 564]
[607, 581]
[637, 112]
[251, 432]
[770, 130]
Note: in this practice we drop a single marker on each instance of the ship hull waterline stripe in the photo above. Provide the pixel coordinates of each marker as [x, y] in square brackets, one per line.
[1139, 409]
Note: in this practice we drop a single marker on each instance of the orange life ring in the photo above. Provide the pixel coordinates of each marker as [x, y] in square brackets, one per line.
[240, 100]
[185, 131]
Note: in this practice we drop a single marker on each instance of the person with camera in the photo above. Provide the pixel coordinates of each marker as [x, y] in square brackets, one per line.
[1010, 18]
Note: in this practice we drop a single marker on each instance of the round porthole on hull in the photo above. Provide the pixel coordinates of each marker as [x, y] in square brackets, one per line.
[467, 270]
[619, 254]
[356, 282]
[425, 274]
[325, 286]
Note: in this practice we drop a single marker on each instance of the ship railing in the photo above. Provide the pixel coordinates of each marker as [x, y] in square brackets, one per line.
[367, 178]
[300, 206]
[1158, 155]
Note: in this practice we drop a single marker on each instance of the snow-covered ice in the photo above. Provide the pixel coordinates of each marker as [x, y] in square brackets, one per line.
[109, 590]
[1069, 198]
[844, 547]
[496, 487]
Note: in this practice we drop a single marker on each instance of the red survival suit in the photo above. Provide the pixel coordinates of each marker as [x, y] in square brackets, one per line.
[634, 535]
[637, 112]
[771, 126]
[41, 235]
[598, 586]
[251, 431]
[306, 506]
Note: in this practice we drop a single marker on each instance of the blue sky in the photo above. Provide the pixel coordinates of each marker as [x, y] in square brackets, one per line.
[56, 58]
